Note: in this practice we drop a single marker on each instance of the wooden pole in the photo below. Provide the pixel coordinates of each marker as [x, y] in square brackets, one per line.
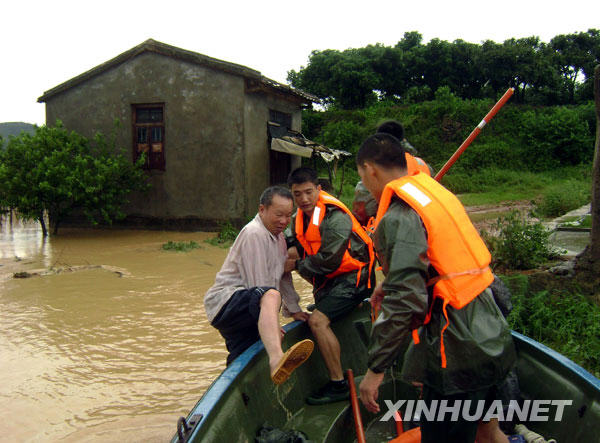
[490, 115]
[358, 424]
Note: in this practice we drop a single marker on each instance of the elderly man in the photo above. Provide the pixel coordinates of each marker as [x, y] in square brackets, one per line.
[244, 302]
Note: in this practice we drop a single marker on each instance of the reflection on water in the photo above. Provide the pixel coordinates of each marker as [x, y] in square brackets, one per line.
[93, 356]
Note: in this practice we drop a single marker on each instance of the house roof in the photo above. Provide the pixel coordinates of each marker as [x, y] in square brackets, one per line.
[255, 78]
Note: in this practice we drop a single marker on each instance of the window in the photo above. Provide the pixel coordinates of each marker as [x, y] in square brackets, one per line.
[149, 134]
[280, 118]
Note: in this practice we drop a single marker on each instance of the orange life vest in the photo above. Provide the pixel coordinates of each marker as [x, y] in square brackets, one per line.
[416, 164]
[455, 249]
[310, 239]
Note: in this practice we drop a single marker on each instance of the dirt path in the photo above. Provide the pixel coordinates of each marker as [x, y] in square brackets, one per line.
[484, 217]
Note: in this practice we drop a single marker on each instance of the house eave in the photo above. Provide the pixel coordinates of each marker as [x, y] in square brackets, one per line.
[156, 47]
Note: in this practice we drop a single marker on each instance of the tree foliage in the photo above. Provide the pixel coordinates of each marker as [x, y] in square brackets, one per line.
[521, 137]
[559, 72]
[61, 173]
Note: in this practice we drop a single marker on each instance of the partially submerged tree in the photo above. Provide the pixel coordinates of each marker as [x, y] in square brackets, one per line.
[588, 262]
[59, 173]
[595, 236]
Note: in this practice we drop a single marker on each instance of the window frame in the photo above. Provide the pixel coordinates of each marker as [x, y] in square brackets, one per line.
[155, 159]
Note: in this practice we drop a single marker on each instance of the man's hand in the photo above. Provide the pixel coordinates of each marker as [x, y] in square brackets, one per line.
[290, 265]
[369, 390]
[301, 316]
[377, 297]
[293, 253]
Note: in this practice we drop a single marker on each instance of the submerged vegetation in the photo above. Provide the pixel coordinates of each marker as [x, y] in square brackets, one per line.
[180, 246]
[226, 235]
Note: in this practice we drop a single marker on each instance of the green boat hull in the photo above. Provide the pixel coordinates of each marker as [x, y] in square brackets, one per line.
[243, 398]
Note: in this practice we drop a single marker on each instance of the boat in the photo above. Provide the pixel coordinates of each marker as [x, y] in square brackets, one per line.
[243, 399]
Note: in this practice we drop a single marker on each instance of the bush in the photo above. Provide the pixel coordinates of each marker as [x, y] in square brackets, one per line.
[496, 153]
[555, 136]
[226, 236]
[180, 246]
[521, 137]
[562, 198]
[519, 243]
[343, 135]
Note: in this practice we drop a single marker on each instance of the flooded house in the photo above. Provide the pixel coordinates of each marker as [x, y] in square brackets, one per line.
[211, 130]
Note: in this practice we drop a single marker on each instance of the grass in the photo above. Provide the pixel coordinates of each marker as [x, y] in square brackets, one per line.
[180, 246]
[578, 221]
[551, 192]
[483, 216]
[586, 222]
[493, 198]
[562, 319]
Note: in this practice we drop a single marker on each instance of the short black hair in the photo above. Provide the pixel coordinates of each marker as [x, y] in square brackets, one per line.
[382, 149]
[392, 127]
[325, 185]
[301, 175]
[266, 198]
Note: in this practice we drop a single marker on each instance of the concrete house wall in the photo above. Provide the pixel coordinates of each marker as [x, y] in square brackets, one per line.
[256, 115]
[215, 130]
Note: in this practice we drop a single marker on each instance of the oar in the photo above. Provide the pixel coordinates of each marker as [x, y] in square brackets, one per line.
[360, 431]
[475, 133]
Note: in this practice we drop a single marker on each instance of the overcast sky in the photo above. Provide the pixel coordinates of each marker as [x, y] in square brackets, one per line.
[45, 43]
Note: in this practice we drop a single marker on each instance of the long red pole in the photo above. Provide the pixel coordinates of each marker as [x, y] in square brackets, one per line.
[475, 133]
[360, 431]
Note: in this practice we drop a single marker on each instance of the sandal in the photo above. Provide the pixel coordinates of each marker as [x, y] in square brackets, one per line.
[293, 358]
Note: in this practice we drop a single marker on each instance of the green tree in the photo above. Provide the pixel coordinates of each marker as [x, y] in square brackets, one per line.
[410, 40]
[389, 66]
[58, 173]
[574, 56]
[558, 72]
[342, 78]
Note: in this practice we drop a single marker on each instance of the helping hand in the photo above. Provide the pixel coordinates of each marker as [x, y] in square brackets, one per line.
[377, 297]
[289, 265]
[293, 253]
[301, 316]
[369, 390]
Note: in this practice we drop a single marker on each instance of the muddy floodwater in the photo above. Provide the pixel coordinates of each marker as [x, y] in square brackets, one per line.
[107, 339]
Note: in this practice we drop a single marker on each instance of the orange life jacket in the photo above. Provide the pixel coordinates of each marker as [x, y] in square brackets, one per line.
[416, 164]
[455, 249]
[310, 239]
